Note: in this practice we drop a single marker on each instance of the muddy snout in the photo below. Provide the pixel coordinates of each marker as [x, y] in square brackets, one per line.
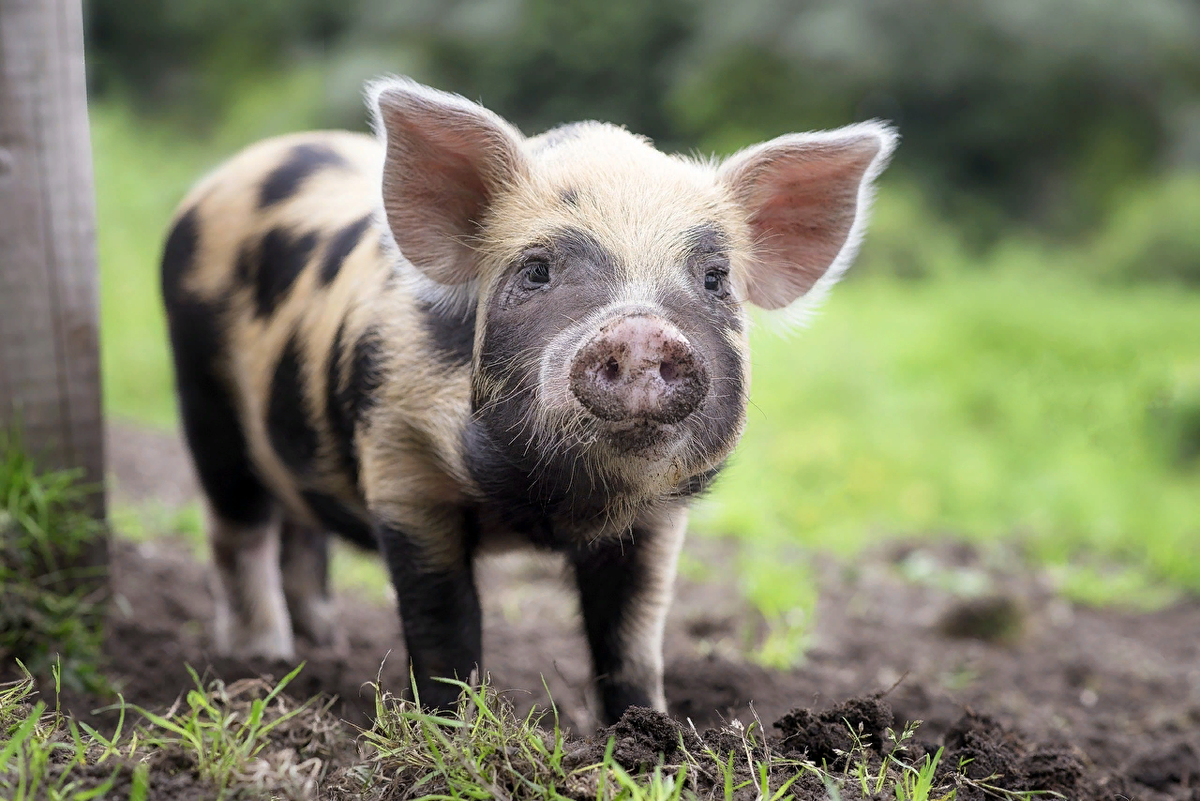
[639, 369]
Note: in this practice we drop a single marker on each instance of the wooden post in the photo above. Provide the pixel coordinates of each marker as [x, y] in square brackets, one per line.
[49, 357]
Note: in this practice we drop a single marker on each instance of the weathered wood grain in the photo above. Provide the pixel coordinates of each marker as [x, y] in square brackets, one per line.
[49, 357]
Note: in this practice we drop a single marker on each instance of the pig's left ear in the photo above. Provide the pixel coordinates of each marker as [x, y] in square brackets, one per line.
[446, 160]
[806, 197]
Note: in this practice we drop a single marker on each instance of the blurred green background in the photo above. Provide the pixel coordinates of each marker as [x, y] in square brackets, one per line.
[1017, 352]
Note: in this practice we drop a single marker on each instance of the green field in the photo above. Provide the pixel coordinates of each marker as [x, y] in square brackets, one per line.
[1013, 394]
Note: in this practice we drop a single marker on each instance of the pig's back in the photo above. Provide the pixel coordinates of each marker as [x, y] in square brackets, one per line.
[280, 275]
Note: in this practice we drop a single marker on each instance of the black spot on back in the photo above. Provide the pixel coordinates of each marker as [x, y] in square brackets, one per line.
[365, 375]
[303, 161]
[340, 246]
[339, 518]
[569, 196]
[288, 427]
[341, 423]
[453, 336]
[346, 403]
[179, 253]
[273, 266]
[211, 424]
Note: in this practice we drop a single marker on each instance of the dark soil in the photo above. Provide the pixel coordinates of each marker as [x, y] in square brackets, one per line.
[996, 759]
[1043, 694]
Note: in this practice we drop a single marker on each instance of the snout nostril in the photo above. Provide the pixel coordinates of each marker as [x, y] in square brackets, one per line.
[612, 370]
[639, 369]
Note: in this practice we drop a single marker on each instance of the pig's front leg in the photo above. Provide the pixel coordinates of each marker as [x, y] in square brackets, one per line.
[430, 560]
[625, 589]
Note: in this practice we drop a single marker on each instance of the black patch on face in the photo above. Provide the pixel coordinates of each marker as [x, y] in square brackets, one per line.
[210, 418]
[708, 238]
[453, 336]
[274, 265]
[582, 274]
[289, 429]
[569, 196]
[337, 517]
[340, 246]
[709, 247]
[529, 484]
[302, 161]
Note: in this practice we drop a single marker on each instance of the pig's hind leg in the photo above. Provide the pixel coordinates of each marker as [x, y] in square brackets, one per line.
[304, 560]
[251, 616]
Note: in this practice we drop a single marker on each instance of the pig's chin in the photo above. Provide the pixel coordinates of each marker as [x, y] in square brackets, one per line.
[639, 439]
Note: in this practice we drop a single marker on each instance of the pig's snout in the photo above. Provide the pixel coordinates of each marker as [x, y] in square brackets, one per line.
[639, 368]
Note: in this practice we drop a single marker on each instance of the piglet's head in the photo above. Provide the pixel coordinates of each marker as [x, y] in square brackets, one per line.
[609, 283]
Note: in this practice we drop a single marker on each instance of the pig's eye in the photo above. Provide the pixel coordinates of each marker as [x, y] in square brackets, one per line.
[537, 273]
[714, 281]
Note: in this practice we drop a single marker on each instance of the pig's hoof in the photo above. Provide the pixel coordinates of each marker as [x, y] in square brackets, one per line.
[275, 646]
[234, 638]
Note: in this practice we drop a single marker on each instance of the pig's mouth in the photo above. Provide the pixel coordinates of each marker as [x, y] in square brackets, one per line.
[640, 438]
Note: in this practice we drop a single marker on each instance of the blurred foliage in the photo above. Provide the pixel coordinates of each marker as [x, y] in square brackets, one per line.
[1154, 234]
[1021, 110]
[1174, 417]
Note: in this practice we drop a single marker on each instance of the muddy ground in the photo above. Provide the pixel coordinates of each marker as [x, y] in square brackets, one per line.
[970, 640]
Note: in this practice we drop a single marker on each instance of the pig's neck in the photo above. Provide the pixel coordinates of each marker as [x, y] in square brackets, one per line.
[555, 500]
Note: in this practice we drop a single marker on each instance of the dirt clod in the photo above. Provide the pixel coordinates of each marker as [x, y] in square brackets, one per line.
[994, 757]
[828, 737]
[645, 737]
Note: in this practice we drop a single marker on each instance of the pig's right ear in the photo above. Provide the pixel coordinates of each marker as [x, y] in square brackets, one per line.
[446, 159]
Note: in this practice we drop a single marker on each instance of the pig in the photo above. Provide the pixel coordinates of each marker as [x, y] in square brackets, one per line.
[451, 338]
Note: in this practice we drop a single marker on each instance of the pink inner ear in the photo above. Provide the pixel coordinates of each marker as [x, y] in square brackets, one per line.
[803, 201]
[443, 163]
[453, 183]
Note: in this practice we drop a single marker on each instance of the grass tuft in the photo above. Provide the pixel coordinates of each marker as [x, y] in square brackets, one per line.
[45, 754]
[49, 616]
[246, 739]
